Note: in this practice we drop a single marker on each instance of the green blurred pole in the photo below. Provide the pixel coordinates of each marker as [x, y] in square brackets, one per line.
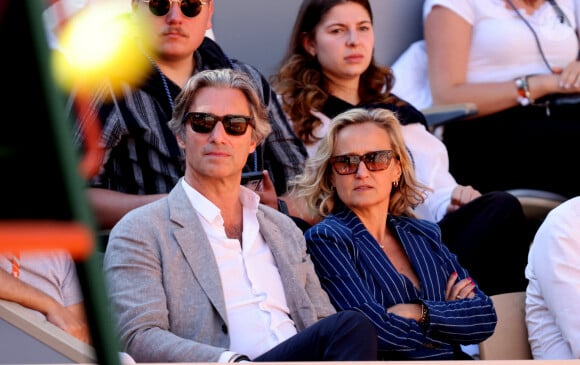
[102, 328]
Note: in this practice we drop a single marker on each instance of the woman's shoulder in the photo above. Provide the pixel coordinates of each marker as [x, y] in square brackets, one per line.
[275, 218]
[466, 8]
[338, 223]
[330, 220]
[420, 224]
[411, 220]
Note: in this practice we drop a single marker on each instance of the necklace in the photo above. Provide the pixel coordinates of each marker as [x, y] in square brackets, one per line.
[382, 243]
[559, 13]
[163, 81]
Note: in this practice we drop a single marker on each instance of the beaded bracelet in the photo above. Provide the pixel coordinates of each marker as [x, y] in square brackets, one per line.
[523, 91]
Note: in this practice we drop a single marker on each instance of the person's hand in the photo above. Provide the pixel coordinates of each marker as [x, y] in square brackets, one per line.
[268, 192]
[462, 195]
[68, 322]
[569, 77]
[457, 290]
[562, 81]
[407, 310]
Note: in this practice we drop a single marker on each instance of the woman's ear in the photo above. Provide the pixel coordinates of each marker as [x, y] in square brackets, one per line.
[399, 172]
[308, 45]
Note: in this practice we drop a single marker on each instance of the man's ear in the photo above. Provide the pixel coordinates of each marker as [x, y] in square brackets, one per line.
[253, 146]
[180, 141]
[210, 18]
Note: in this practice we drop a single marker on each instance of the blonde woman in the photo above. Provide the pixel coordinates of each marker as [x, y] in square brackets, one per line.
[371, 253]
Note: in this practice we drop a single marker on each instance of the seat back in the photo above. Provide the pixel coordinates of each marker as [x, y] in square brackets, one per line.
[29, 338]
[510, 338]
[537, 203]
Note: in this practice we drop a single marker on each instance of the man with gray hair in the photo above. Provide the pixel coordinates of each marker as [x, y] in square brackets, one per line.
[142, 160]
[208, 274]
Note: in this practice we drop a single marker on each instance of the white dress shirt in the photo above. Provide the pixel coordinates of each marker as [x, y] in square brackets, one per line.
[553, 292]
[431, 163]
[258, 315]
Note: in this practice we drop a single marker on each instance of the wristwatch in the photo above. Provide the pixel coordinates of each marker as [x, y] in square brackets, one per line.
[424, 320]
[239, 358]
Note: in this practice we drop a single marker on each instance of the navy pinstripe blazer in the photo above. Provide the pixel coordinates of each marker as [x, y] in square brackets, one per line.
[357, 274]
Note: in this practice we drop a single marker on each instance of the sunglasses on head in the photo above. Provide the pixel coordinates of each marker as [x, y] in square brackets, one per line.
[234, 125]
[374, 161]
[189, 8]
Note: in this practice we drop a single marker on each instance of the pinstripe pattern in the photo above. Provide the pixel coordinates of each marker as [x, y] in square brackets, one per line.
[357, 274]
[143, 156]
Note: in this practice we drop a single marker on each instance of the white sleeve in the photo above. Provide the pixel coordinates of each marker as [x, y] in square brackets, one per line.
[556, 261]
[463, 8]
[411, 76]
[431, 163]
[577, 13]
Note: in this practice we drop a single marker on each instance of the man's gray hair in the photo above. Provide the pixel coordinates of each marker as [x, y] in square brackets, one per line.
[226, 79]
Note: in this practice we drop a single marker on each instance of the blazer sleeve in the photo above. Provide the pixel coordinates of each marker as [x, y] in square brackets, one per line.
[465, 321]
[307, 300]
[146, 282]
[334, 250]
[331, 248]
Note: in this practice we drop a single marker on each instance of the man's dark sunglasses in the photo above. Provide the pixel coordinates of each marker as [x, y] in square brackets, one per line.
[234, 125]
[374, 161]
[189, 8]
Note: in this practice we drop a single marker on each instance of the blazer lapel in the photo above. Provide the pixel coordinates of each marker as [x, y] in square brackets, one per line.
[191, 237]
[274, 238]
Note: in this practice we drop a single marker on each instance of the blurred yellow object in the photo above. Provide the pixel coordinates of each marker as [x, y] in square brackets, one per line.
[99, 44]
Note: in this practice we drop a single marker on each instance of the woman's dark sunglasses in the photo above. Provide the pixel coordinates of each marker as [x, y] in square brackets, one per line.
[234, 125]
[374, 161]
[189, 8]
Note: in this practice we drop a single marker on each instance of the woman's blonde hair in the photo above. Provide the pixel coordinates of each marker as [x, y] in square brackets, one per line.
[314, 187]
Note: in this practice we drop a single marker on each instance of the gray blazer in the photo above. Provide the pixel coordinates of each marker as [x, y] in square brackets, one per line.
[164, 284]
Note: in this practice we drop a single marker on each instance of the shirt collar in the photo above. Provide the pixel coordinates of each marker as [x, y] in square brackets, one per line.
[208, 210]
